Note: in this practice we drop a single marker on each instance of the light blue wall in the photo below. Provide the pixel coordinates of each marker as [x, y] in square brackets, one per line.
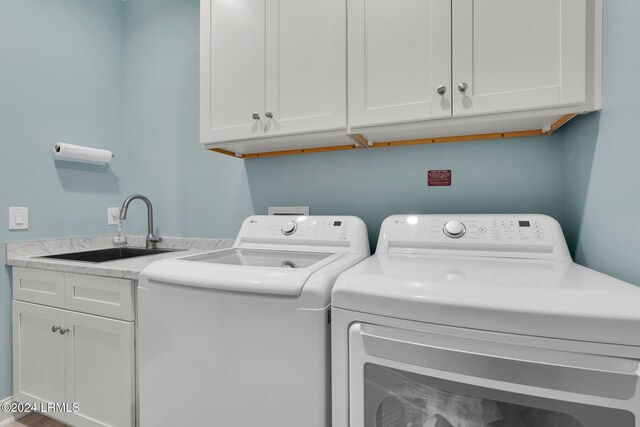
[601, 171]
[517, 175]
[61, 79]
[194, 192]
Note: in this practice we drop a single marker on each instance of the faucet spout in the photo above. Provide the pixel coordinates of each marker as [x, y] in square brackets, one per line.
[152, 239]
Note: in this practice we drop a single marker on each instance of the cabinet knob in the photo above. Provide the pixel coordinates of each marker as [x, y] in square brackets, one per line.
[64, 331]
[268, 115]
[55, 329]
[462, 87]
[256, 116]
[442, 89]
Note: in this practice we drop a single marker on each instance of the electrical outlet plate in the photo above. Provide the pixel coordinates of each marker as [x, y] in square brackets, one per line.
[18, 218]
[113, 216]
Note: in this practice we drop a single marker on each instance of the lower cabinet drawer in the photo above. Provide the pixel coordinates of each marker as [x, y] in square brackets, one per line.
[102, 296]
[39, 286]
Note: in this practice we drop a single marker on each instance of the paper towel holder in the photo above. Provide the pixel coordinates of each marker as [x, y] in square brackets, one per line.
[80, 153]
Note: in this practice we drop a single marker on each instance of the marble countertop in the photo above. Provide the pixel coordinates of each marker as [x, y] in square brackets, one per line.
[27, 254]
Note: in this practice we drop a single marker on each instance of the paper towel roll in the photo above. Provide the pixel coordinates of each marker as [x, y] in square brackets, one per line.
[81, 154]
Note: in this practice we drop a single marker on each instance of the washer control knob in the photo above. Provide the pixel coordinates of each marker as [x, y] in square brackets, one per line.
[454, 229]
[289, 228]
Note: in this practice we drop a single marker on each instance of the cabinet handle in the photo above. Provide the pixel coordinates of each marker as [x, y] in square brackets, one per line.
[256, 116]
[268, 115]
[462, 87]
[55, 329]
[442, 89]
[64, 331]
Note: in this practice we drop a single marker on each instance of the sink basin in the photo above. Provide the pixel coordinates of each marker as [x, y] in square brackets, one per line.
[110, 254]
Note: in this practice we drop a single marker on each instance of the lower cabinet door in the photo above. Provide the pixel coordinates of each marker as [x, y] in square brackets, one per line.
[100, 371]
[38, 355]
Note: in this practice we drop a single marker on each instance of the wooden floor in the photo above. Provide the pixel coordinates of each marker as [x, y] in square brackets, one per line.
[36, 420]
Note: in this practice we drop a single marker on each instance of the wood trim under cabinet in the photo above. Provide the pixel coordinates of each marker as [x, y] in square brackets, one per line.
[287, 152]
[362, 143]
[561, 122]
[478, 137]
[461, 138]
[359, 140]
[226, 152]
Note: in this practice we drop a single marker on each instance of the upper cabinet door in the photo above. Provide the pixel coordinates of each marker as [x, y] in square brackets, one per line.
[399, 56]
[511, 55]
[232, 57]
[305, 66]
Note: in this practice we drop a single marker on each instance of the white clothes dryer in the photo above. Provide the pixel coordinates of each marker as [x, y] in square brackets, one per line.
[240, 337]
[482, 321]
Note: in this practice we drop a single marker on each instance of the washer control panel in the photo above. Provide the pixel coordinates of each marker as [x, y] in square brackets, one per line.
[517, 234]
[309, 228]
[334, 231]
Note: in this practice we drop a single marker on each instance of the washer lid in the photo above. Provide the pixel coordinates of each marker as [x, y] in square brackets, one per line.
[243, 270]
[553, 299]
[261, 258]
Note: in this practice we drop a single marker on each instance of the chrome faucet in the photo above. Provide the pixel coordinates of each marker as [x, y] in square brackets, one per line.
[151, 238]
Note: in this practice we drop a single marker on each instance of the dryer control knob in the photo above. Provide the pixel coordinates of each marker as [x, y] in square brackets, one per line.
[289, 228]
[454, 229]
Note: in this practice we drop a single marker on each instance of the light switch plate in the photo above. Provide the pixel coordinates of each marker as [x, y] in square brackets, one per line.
[113, 216]
[18, 218]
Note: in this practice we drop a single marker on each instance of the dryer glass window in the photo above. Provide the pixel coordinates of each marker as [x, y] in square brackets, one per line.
[395, 398]
[260, 258]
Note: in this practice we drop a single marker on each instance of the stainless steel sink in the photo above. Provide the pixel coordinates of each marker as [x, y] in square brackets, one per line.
[110, 254]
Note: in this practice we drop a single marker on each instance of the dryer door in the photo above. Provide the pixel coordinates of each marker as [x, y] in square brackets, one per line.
[410, 378]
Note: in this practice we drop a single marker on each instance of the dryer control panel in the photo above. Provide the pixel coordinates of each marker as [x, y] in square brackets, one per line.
[497, 230]
[517, 236]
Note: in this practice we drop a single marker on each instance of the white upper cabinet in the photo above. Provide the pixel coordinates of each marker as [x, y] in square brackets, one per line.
[511, 55]
[399, 57]
[271, 68]
[277, 76]
[421, 69]
[232, 55]
[306, 66]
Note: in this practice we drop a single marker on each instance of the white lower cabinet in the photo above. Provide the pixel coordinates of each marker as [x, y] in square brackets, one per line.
[38, 350]
[62, 356]
[99, 373]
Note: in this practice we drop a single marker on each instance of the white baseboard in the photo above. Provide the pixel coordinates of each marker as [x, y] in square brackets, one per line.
[7, 418]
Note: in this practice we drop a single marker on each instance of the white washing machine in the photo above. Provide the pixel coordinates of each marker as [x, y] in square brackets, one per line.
[482, 321]
[241, 337]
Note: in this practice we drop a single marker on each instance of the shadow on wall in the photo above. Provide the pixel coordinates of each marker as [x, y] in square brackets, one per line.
[507, 176]
[78, 177]
[580, 139]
